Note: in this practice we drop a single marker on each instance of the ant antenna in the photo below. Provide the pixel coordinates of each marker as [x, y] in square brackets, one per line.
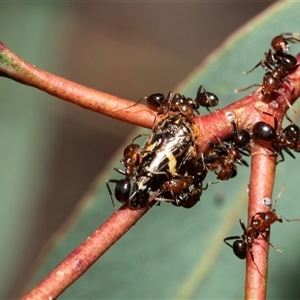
[279, 195]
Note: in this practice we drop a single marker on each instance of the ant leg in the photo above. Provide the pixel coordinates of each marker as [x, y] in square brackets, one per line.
[259, 64]
[140, 135]
[288, 151]
[209, 183]
[243, 224]
[246, 88]
[266, 238]
[286, 100]
[109, 191]
[252, 258]
[135, 103]
[119, 171]
[288, 118]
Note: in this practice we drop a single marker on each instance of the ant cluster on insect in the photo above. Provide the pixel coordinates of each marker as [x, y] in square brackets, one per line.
[167, 167]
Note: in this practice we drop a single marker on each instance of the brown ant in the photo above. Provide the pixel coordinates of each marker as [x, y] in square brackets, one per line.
[279, 65]
[178, 102]
[288, 138]
[173, 102]
[179, 192]
[259, 226]
[272, 81]
[131, 160]
[280, 56]
[222, 157]
[194, 177]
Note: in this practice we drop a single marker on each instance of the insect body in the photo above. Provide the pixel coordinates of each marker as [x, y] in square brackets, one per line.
[159, 168]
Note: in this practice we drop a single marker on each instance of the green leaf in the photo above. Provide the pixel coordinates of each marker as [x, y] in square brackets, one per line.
[27, 131]
[174, 253]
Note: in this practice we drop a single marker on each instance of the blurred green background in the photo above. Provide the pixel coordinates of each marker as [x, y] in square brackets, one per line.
[52, 151]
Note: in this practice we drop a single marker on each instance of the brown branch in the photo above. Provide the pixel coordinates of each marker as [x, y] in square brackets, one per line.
[247, 112]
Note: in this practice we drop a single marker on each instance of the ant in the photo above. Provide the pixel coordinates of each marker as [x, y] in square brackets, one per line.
[222, 157]
[278, 66]
[288, 138]
[272, 81]
[178, 190]
[131, 160]
[281, 56]
[173, 102]
[259, 226]
[178, 102]
[240, 139]
[204, 99]
[194, 176]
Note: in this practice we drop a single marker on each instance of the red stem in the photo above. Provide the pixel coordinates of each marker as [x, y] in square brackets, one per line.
[260, 186]
[14, 67]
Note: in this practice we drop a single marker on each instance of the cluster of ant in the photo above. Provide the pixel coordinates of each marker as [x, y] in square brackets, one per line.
[278, 63]
[167, 167]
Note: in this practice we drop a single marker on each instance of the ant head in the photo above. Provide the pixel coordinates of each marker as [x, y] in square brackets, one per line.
[280, 44]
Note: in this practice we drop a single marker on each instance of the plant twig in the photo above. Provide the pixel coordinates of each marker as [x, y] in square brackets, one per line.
[260, 186]
[14, 67]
